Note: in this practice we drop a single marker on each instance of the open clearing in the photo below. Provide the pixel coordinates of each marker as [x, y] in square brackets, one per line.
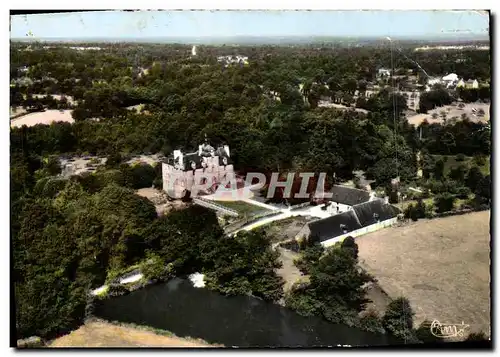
[46, 117]
[441, 265]
[452, 111]
[105, 334]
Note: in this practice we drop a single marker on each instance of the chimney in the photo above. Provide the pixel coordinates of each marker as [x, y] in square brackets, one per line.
[386, 200]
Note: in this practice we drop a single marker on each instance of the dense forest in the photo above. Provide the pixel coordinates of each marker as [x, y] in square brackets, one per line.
[71, 235]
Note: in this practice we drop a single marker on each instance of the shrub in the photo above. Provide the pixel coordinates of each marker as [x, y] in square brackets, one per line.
[350, 246]
[479, 160]
[460, 158]
[398, 320]
[444, 202]
[480, 336]
[463, 192]
[424, 334]
[372, 322]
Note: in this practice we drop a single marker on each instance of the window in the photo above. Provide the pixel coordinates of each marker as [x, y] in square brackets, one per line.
[203, 181]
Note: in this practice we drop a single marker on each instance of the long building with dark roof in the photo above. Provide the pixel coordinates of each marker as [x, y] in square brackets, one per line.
[359, 219]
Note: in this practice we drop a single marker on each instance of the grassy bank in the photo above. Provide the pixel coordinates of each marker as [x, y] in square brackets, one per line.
[243, 208]
[100, 333]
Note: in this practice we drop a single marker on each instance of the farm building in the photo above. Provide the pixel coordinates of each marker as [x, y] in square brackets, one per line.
[359, 219]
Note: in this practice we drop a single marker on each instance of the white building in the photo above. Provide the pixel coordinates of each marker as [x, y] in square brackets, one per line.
[383, 72]
[450, 80]
[228, 60]
[358, 219]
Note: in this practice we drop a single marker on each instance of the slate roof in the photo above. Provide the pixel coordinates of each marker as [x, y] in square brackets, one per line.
[197, 159]
[349, 196]
[365, 212]
[330, 227]
[362, 215]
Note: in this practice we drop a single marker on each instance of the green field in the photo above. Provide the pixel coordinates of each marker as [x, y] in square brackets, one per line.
[243, 208]
[451, 162]
[430, 201]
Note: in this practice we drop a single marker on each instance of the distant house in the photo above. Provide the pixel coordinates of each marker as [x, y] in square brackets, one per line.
[450, 80]
[470, 84]
[382, 72]
[361, 219]
[228, 60]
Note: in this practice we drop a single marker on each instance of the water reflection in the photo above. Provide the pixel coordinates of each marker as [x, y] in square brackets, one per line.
[240, 321]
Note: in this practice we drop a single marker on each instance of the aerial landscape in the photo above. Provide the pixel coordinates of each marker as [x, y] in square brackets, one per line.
[191, 179]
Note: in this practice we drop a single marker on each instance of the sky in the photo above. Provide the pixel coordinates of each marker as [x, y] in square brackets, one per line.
[144, 24]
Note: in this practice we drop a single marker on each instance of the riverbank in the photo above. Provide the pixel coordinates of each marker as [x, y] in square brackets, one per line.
[100, 333]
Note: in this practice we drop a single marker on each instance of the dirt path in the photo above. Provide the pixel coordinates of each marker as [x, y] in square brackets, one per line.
[104, 334]
[288, 271]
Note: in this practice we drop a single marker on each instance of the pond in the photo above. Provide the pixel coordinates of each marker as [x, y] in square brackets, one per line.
[240, 321]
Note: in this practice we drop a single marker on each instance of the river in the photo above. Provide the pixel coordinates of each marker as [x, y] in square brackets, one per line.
[240, 321]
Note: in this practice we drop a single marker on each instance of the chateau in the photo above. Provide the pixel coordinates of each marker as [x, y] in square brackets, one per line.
[207, 166]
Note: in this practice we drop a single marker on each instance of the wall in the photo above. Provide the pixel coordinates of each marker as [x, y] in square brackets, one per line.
[214, 174]
[360, 232]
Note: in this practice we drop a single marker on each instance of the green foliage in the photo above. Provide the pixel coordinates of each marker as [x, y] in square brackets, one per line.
[49, 186]
[113, 160]
[438, 170]
[463, 192]
[246, 265]
[474, 177]
[423, 333]
[350, 245]
[479, 160]
[458, 173]
[336, 289]
[372, 322]
[483, 191]
[477, 337]
[434, 98]
[444, 202]
[398, 320]
[309, 258]
[154, 268]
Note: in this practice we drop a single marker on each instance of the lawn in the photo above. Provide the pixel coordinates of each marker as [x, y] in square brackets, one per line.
[243, 208]
[430, 201]
[451, 162]
[441, 265]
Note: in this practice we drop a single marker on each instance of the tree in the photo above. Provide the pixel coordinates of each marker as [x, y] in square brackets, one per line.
[423, 333]
[474, 177]
[350, 245]
[483, 190]
[477, 337]
[458, 173]
[398, 320]
[444, 202]
[113, 160]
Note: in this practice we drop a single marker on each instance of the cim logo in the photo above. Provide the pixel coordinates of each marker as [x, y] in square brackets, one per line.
[448, 330]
